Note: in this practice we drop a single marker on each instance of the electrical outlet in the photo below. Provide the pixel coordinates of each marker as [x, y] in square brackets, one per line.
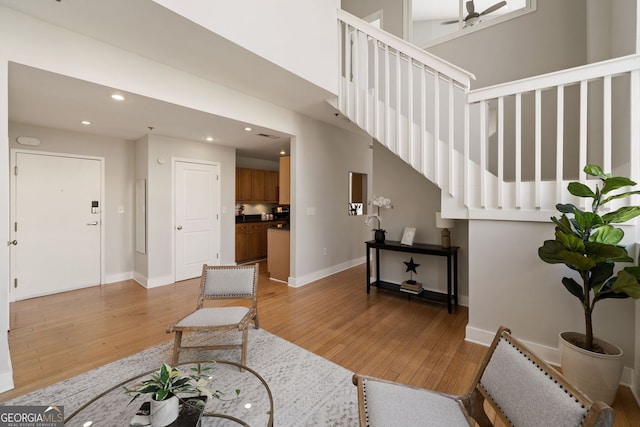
[324, 251]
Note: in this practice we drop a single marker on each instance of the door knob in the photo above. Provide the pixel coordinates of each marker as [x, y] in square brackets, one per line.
[179, 227]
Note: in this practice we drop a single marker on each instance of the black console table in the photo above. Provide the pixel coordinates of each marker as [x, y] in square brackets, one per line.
[451, 297]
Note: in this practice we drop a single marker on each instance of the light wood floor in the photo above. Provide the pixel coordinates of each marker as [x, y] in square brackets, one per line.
[381, 334]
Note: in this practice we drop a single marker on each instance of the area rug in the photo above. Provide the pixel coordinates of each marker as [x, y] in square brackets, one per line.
[307, 389]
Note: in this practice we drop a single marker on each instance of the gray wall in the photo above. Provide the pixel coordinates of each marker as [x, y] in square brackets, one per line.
[392, 12]
[415, 201]
[141, 265]
[550, 39]
[160, 263]
[118, 155]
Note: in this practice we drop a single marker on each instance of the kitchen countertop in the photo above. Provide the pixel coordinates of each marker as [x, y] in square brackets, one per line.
[283, 227]
[245, 219]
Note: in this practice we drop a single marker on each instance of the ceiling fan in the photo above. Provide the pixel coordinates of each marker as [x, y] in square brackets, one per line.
[474, 17]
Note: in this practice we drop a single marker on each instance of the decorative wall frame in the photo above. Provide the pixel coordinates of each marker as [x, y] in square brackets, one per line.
[408, 235]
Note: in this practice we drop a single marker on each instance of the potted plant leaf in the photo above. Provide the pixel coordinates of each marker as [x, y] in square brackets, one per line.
[166, 385]
[589, 244]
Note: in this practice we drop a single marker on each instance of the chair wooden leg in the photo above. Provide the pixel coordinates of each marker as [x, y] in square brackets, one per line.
[176, 347]
[256, 325]
[245, 335]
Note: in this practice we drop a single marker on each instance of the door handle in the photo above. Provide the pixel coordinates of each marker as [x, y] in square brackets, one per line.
[179, 227]
[12, 242]
[93, 223]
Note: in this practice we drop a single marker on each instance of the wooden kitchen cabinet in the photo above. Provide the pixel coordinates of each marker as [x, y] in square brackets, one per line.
[279, 253]
[271, 185]
[242, 242]
[285, 180]
[256, 185]
[254, 246]
[249, 242]
[244, 184]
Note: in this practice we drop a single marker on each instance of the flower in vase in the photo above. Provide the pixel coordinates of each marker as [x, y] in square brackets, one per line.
[379, 202]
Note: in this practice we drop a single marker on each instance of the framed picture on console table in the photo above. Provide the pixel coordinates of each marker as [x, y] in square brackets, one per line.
[408, 235]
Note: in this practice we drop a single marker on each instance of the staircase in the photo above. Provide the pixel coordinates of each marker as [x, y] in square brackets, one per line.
[502, 152]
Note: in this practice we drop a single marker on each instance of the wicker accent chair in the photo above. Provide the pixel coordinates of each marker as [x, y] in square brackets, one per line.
[222, 283]
[521, 388]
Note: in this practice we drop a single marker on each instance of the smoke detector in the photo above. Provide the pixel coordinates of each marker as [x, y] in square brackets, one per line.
[27, 140]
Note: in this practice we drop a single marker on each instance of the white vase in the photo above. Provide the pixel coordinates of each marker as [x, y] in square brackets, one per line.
[596, 375]
[164, 412]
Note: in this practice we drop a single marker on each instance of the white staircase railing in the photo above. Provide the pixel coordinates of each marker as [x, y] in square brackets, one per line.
[403, 97]
[502, 152]
[541, 131]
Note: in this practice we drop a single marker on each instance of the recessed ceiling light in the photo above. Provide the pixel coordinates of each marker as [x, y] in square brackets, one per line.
[86, 122]
[209, 138]
[117, 97]
[248, 129]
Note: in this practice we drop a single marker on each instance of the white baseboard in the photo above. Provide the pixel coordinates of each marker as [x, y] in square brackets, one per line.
[6, 381]
[296, 282]
[140, 279]
[551, 355]
[152, 283]
[299, 281]
[119, 277]
[635, 386]
[159, 281]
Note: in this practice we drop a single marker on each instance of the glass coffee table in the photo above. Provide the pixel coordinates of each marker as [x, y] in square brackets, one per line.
[251, 406]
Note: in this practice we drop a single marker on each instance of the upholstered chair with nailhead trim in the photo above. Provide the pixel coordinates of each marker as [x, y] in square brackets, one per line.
[521, 390]
[221, 283]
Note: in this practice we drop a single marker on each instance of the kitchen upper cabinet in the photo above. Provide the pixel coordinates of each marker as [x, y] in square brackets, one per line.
[256, 185]
[271, 185]
[244, 184]
[285, 180]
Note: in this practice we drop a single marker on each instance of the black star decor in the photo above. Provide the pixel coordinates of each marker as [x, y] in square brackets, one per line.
[411, 266]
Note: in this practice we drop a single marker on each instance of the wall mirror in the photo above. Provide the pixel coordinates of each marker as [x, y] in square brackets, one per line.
[357, 193]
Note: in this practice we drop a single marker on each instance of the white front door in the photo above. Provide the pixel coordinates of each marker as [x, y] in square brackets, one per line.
[56, 224]
[197, 216]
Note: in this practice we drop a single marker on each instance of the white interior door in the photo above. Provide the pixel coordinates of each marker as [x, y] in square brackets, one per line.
[57, 222]
[197, 216]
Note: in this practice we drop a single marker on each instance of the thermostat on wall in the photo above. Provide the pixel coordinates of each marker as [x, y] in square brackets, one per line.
[26, 140]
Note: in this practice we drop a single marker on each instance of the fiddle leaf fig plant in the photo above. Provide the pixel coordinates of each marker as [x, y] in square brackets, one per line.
[588, 243]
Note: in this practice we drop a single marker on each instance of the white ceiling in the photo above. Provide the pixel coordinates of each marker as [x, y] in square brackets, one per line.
[46, 99]
[427, 10]
[147, 29]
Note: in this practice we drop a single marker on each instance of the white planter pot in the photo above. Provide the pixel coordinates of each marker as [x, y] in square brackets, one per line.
[164, 412]
[596, 375]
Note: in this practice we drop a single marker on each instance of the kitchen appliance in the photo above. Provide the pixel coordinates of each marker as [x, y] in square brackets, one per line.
[280, 212]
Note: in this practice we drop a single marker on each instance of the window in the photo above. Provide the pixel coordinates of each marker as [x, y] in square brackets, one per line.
[435, 21]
